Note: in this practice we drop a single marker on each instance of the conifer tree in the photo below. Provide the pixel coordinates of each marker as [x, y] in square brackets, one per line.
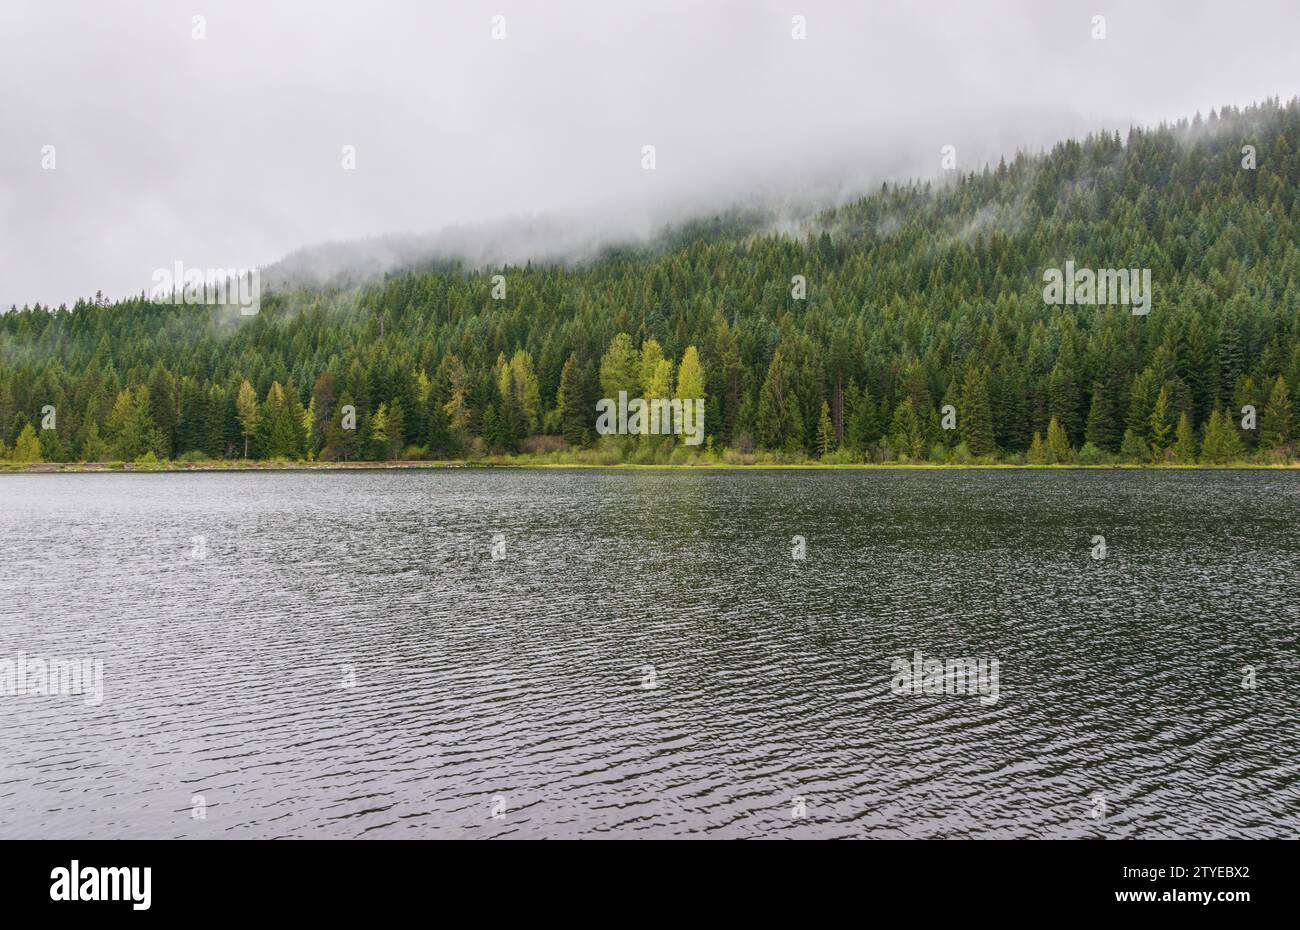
[1102, 430]
[905, 433]
[488, 431]
[342, 444]
[1276, 422]
[309, 428]
[825, 430]
[780, 423]
[1185, 441]
[279, 431]
[131, 426]
[527, 393]
[1159, 426]
[1064, 398]
[620, 369]
[1037, 451]
[864, 425]
[246, 404]
[93, 449]
[1133, 448]
[379, 434]
[52, 448]
[396, 429]
[1221, 443]
[976, 422]
[457, 405]
[510, 416]
[218, 438]
[1142, 399]
[1058, 444]
[575, 420]
[690, 375]
[27, 449]
[437, 431]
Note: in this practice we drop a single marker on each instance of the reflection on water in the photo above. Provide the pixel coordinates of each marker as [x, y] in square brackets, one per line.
[340, 654]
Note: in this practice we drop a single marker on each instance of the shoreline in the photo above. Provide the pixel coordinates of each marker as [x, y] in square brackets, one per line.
[110, 468]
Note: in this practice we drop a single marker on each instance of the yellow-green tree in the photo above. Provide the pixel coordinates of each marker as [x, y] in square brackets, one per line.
[1221, 443]
[620, 368]
[27, 448]
[651, 355]
[457, 406]
[246, 406]
[130, 425]
[659, 385]
[526, 390]
[690, 375]
[1058, 444]
[1037, 451]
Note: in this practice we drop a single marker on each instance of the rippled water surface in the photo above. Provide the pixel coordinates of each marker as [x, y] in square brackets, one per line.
[348, 659]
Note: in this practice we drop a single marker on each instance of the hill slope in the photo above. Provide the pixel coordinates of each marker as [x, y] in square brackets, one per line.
[917, 296]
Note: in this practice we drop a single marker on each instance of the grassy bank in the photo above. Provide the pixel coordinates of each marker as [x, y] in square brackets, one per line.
[546, 462]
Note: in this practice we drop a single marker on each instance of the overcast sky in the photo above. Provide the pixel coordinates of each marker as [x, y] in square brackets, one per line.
[226, 151]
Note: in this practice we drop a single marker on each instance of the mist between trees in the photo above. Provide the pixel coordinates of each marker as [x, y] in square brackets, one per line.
[844, 344]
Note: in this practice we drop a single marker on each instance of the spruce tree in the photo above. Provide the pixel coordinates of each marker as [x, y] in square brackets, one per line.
[1063, 392]
[864, 428]
[396, 429]
[279, 431]
[825, 431]
[27, 449]
[976, 419]
[905, 433]
[1185, 441]
[378, 439]
[1133, 448]
[510, 426]
[131, 427]
[1276, 422]
[575, 420]
[1158, 425]
[437, 435]
[1221, 443]
[1102, 430]
[779, 424]
[1037, 451]
[1058, 444]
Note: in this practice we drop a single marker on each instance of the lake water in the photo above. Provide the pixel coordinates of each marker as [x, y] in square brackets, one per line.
[340, 654]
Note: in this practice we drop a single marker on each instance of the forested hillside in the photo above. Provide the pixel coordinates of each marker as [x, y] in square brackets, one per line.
[917, 296]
